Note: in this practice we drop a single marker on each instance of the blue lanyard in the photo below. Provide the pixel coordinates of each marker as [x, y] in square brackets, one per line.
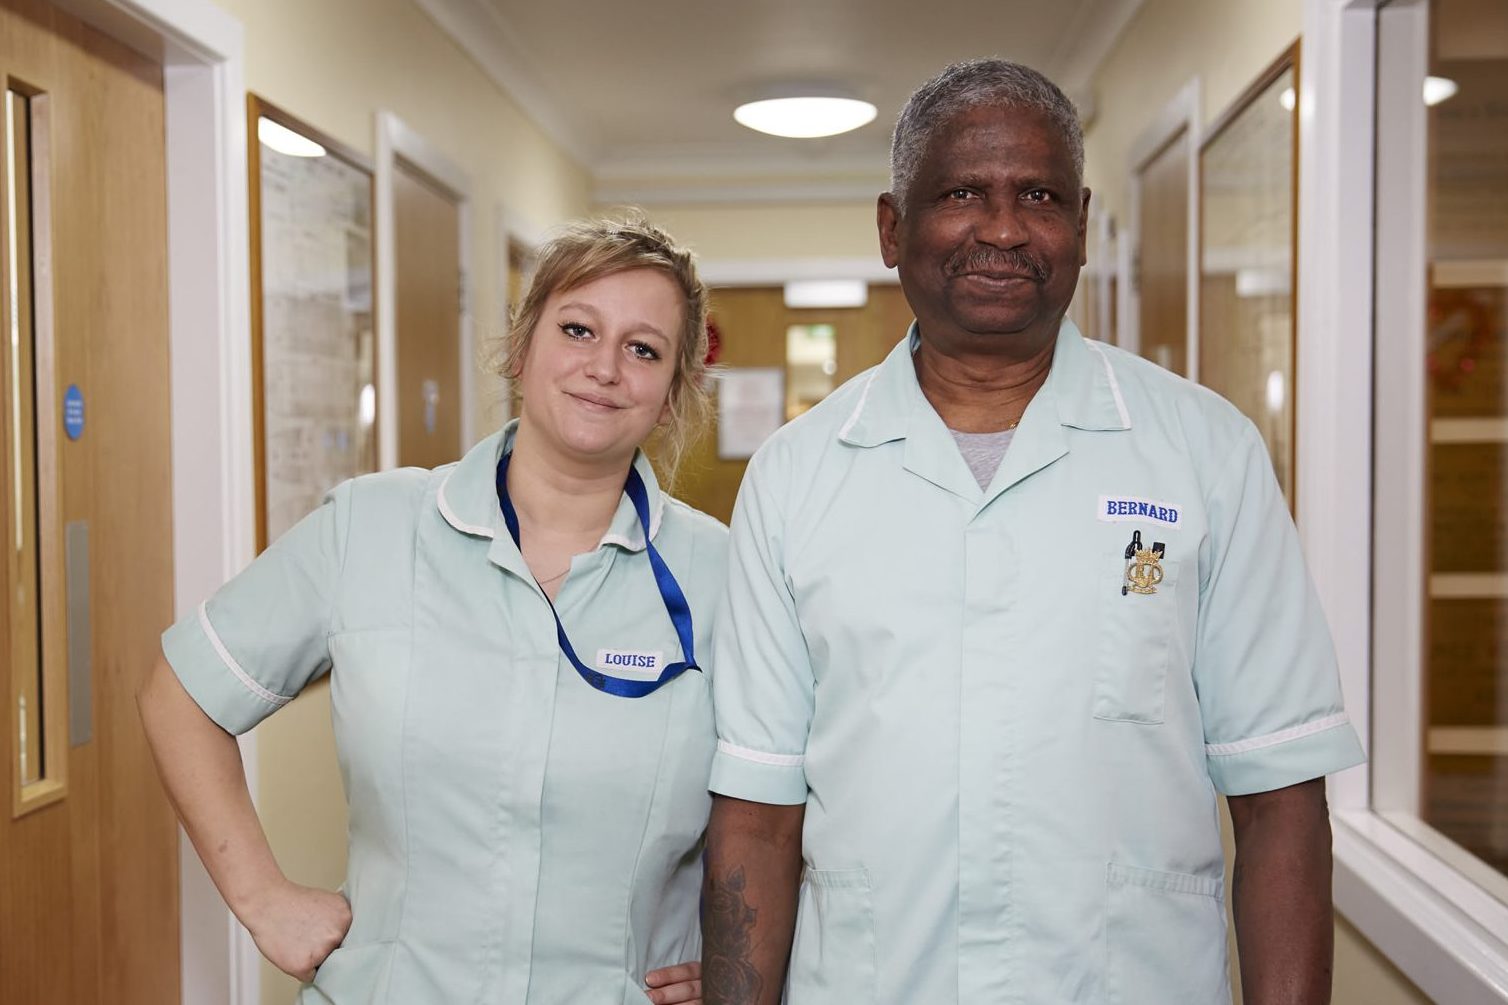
[670, 593]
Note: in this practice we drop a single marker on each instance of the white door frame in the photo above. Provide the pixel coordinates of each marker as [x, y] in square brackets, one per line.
[1182, 112]
[396, 140]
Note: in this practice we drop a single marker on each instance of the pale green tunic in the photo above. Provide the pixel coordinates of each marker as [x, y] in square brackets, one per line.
[516, 835]
[1010, 767]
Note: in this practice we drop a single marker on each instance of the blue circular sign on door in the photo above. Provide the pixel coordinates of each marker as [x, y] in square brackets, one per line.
[73, 412]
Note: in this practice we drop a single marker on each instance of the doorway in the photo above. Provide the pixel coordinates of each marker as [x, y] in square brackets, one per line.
[88, 844]
[1161, 311]
[424, 313]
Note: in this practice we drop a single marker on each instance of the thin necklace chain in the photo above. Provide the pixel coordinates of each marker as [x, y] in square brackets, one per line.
[552, 579]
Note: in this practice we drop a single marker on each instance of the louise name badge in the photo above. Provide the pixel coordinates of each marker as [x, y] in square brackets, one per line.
[636, 664]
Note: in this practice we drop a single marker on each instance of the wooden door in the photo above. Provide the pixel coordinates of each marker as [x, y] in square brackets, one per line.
[1163, 256]
[88, 843]
[752, 327]
[427, 235]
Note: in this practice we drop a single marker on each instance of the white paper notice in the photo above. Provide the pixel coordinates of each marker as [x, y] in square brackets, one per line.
[750, 406]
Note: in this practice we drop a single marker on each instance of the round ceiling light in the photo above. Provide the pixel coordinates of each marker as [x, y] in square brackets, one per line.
[805, 117]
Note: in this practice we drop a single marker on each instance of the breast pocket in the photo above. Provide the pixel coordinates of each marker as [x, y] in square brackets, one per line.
[1138, 618]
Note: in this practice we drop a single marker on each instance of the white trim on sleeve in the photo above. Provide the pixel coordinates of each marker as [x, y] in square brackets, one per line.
[1281, 736]
[760, 757]
[275, 700]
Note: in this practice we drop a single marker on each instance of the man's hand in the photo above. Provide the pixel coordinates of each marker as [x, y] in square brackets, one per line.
[680, 983]
[1285, 924]
[296, 927]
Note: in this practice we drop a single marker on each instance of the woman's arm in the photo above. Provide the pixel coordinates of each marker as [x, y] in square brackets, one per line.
[294, 926]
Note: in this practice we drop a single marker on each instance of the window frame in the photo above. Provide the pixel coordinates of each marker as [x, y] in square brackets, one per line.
[1393, 877]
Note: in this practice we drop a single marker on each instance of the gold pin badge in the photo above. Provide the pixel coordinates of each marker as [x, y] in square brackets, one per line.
[1144, 572]
[1143, 566]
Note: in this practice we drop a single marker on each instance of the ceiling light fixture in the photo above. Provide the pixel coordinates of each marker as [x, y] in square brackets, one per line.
[826, 293]
[805, 113]
[1438, 89]
[285, 141]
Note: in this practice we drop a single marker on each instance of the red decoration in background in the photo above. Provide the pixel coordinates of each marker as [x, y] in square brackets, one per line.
[714, 343]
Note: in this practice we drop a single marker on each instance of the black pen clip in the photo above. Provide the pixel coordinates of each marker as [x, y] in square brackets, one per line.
[1131, 550]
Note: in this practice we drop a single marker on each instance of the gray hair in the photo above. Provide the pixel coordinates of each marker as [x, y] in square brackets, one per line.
[967, 85]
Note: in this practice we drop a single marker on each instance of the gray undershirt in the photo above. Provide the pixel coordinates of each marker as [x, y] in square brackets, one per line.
[983, 452]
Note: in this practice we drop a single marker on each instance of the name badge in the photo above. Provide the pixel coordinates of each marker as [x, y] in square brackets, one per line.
[635, 664]
[1122, 509]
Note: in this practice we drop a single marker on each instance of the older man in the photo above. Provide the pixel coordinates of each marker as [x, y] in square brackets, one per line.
[1006, 614]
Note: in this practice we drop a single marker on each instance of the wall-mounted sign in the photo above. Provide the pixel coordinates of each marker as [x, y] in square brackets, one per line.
[73, 412]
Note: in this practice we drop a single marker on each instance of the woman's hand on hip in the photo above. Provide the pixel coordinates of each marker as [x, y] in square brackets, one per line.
[296, 927]
[681, 983]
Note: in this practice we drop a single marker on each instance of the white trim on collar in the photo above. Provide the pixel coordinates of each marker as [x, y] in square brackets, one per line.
[1115, 385]
[858, 409]
[452, 518]
[654, 528]
[450, 514]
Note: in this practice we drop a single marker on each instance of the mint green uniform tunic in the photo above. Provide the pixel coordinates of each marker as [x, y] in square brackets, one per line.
[1010, 767]
[515, 835]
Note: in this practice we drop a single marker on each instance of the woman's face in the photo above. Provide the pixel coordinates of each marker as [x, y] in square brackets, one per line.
[596, 376]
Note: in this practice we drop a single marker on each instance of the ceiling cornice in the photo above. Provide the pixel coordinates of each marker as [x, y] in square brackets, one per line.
[476, 27]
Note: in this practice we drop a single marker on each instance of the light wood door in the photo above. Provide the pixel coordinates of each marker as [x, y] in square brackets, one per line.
[752, 327]
[88, 844]
[1163, 256]
[427, 235]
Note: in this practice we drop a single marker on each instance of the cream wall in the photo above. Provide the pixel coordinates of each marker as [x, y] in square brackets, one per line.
[335, 64]
[764, 230]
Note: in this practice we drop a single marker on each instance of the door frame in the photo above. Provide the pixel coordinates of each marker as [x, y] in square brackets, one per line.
[1184, 111]
[201, 51]
[396, 140]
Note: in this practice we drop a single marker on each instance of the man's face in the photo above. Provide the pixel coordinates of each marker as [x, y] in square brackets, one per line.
[993, 236]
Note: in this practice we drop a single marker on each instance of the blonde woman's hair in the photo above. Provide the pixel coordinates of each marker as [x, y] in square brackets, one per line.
[587, 251]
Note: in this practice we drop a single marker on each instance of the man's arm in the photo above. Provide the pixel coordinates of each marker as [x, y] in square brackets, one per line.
[1285, 927]
[749, 894]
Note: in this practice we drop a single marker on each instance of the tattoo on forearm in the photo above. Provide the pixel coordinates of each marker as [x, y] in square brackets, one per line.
[728, 974]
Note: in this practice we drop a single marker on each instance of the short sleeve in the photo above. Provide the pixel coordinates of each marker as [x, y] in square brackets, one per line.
[763, 688]
[1265, 668]
[263, 636]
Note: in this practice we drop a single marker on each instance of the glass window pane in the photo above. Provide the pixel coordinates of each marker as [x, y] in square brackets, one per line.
[811, 362]
[25, 571]
[1246, 266]
[1464, 769]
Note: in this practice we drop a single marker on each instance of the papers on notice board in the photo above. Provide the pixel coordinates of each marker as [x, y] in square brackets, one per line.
[750, 406]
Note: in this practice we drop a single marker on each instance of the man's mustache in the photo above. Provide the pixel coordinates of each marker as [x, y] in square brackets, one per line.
[997, 261]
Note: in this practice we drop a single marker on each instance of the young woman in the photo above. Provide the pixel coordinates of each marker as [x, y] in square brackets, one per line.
[524, 732]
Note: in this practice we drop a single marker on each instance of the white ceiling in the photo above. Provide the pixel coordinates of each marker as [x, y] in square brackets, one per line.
[644, 90]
